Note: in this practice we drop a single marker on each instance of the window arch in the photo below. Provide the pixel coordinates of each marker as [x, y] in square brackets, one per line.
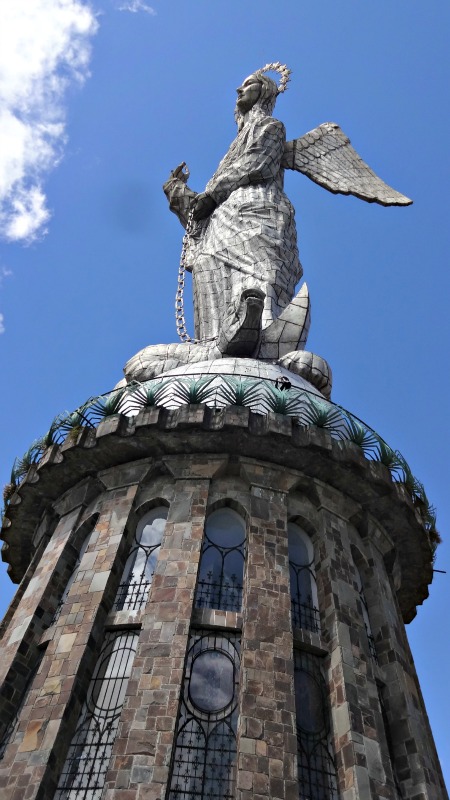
[304, 605]
[204, 761]
[84, 772]
[137, 576]
[221, 569]
[365, 615]
[316, 766]
[84, 546]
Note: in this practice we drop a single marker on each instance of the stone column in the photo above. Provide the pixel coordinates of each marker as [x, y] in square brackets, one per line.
[413, 752]
[267, 743]
[351, 671]
[50, 715]
[140, 763]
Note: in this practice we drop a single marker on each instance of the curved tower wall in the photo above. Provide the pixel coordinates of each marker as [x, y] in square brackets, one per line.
[194, 461]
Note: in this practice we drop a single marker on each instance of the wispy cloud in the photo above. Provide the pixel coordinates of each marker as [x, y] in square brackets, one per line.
[4, 273]
[44, 48]
[137, 5]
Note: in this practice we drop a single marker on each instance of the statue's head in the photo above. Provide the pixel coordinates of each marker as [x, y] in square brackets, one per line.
[261, 91]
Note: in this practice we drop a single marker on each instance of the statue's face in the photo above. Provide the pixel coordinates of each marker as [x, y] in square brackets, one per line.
[248, 93]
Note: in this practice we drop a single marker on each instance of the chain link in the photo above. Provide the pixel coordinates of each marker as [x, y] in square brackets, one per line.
[179, 297]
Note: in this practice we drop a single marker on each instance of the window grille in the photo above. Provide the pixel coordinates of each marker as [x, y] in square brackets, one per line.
[305, 613]
[87, 761]
[221, 569]
[316, 767]
[137, 577]
[71, 580]
[366, 619]
[204, 762]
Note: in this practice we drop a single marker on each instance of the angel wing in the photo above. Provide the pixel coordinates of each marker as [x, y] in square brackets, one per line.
[326, 156]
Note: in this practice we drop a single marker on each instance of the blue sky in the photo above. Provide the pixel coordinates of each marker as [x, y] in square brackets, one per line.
[99, 102]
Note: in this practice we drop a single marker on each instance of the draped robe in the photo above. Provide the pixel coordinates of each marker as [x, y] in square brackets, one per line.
[249, 241]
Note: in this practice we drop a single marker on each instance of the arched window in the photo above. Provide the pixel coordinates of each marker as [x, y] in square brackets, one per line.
[84, 773]
[305, 613]
[73, 575]
[204, 761]
[365, 616]
[137, 577]
[221, 570]
[316, 767]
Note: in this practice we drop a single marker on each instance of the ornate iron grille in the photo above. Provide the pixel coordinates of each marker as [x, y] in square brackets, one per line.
[203, 765]
[132, 596]
[316, 767]
[137, 577]
[87, 761]
[304, 612]
[226, 594]
[222, 561]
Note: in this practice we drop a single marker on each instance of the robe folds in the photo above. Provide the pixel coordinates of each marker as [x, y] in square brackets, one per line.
[249, 241]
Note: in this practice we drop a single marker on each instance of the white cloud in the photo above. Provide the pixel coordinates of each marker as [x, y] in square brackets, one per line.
[44, 48]
[2, 327]
[137, 5]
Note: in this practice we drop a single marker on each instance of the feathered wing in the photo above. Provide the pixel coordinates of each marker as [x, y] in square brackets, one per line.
[326, 156]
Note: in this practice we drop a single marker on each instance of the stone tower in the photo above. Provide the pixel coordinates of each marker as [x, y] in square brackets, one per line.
[215, 562]
[213, 598]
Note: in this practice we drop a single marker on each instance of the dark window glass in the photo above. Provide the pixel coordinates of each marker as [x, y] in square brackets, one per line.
[316, 768]
[87, 762]
[137, 577]
[204, 762]
[305, 613]
[221, 567]
[365, 616]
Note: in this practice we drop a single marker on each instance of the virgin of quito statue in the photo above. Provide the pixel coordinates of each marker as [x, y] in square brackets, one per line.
[241, 242]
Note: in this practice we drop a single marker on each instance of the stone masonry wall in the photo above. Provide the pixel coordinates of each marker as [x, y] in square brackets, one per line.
[372, 762]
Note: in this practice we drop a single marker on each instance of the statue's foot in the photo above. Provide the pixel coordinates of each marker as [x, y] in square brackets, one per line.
[310, 367]
[289, 331]
[241, 330]
[156, 359]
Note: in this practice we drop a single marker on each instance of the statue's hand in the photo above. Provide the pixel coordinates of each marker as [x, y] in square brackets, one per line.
[203, 206]
[181, 172]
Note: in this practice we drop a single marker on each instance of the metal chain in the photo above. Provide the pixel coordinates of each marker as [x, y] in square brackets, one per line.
[179, 297]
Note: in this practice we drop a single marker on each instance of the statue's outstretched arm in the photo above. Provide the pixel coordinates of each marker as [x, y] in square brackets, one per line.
[326, 156]
[259, 162]
[178, 193]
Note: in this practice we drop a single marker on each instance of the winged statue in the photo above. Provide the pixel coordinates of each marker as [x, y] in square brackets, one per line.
[241, 243]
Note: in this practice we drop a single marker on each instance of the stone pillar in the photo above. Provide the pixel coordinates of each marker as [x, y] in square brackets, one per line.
[267, 743]
[49, 718]
[415, 761]
[352, 671]
[141, 758]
